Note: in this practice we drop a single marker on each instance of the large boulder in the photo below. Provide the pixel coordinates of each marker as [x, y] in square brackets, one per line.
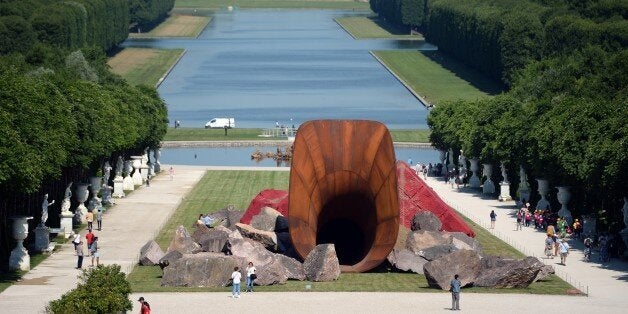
[169, 258]
[438, 251]
[440, 272]
[183, 242]
[226, 217]
[322, 263]
[267, 238]
[251, 250]
[546, 271]
[464, 242]
[426, 220]
[420, 240]
[405, 260]
[200, 230]
[203, 269]
[285, 246]
[270, 273]
[294, 269]
[270, 219]
[150, 254]
[510, 273]
[215, 239]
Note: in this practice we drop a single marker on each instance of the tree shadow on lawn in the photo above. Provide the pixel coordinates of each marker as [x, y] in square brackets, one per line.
[393, 29]
[474, 77]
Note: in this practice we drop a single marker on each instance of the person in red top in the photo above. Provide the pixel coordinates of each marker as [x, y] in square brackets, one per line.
[90, 239]
[145, 309]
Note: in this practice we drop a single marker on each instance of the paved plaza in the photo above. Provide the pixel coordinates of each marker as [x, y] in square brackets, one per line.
[137, 219]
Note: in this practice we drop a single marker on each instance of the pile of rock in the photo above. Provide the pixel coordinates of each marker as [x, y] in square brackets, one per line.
[208, 256]
[440, 254]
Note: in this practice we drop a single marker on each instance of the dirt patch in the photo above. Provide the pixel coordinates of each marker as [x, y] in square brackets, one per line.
[35, 281]
[130, 58]
[177, 26]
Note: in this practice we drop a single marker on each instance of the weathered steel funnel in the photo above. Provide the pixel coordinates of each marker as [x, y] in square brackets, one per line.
[343, 190]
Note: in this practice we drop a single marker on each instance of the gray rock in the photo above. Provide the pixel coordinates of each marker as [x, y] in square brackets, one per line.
[438, 251]
[183, 242]
[199, 232]
[465, 242]
[272, 268]
[420, 240]
[546, 271]
[267, 238]
[200, 270]
[322, 263]
[214, 240]
[509, 273]
[440, 272]
[405, 260]
[294, 268]
[169, 258]
[227, 218]
[150, 254]
[251, 250]
[269, 219]
[427, 221]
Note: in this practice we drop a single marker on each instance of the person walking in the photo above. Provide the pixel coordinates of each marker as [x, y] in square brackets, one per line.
[564, 251]
[236, 276]
[94, 252]
[519, 220]
[455, 293]
[171, 173]
[145, 307]
[493, 218]
[79, 254]
[90, 238]
[549, 246]
[99, 219]
[250, 277]
[90, 219]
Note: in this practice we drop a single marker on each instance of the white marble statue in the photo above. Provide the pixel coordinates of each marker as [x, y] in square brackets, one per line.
[504, 175]
[44, 209]
[107, 171]
[66, 203]
[119, 165]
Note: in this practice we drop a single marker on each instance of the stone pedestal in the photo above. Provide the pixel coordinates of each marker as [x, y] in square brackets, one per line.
[504, 192]
[474, 181]
[106, 195]
[543, 189]
[66, 223]
[137, 165]
[19, 259]
[118, 187]
[489, 186]
[42, 238]
[564, 196]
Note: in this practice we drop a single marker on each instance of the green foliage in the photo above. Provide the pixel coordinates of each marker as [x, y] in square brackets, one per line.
[16, 34]
[103, 289]
[149, 12]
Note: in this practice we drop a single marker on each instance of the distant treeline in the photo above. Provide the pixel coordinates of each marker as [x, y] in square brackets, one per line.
[499, 37]
[74, 24]
[564, 116]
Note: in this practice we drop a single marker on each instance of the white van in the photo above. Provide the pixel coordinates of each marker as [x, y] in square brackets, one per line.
[219, 123]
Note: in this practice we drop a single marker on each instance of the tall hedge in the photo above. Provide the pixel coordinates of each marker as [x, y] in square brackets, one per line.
[145, 13]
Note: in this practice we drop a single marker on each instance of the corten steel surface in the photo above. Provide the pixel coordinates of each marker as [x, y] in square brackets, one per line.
[343, 190]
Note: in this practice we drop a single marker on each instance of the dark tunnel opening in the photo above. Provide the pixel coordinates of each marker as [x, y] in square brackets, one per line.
[348, 221]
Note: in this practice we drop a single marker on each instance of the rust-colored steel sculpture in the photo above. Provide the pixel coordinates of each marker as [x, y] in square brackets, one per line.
[343, 190]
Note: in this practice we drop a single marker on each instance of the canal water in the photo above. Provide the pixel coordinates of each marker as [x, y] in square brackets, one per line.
[290, 66]
[241, 156]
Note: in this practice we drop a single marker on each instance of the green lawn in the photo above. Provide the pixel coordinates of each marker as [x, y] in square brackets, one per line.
[436, 77]
[176, 25]
[217, 189]
[288, 4]
[198, 134]
[363, 27]
[144, 65]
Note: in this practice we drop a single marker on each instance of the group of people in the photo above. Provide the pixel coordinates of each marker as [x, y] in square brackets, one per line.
[92, 248]
[555, 246]
[422, 169]
[236, 278]
[90, 216]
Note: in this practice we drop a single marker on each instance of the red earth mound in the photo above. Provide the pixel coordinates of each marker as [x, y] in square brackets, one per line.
[277, 199]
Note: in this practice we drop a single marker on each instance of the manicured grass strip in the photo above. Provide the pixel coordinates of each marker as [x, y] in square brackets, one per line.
[437, 78]
[143, 65]
[288, 4]
[176, 25]
[198, 134]
[363, 27]
[217, 189]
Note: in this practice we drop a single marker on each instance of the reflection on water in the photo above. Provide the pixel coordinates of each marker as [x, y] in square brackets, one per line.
[262, 66]
[241, 156]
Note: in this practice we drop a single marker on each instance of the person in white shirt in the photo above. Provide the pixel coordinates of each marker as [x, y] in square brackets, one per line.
[235, 276]
[250, 277]
[564, 251]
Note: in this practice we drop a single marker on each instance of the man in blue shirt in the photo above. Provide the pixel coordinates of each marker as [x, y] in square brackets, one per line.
[455, 293]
